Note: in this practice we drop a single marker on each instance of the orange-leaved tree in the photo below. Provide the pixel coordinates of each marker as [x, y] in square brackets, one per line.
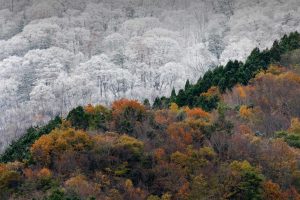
[58, 142]
[128, 115]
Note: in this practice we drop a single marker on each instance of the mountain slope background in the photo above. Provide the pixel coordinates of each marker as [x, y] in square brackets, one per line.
[246, 148]
[56, 55]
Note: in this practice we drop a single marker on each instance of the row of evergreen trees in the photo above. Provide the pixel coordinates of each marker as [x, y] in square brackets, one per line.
[19, 149]
[226, 77]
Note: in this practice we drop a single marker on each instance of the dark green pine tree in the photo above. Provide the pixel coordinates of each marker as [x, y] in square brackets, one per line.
[275, 52]
[78, 118]
[290, 42]
[222, 84]
[157, 104]
[173, 96]
[181, 99]
[187, 85]
[147, 103]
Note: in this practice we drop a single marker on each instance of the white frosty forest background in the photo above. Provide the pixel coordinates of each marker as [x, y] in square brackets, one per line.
[58, 54]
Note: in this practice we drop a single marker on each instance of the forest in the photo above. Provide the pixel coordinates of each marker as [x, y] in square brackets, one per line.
[235, 136]
[58, 54]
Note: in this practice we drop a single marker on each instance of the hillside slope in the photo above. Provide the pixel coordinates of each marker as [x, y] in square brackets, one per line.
[58, 54]
[247, 147]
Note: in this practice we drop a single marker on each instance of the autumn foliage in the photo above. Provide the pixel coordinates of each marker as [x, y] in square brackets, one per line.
[123, 105]
[60, 141]
[246, 147]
